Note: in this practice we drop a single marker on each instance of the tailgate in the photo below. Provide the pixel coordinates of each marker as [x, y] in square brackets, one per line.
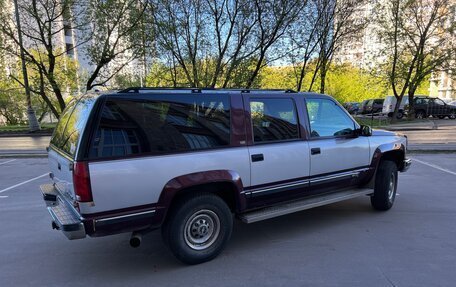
[62, 171]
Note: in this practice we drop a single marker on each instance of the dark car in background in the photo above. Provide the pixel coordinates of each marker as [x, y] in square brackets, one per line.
[435, 107]
[373, 106]
[352, 107]
[362, 107]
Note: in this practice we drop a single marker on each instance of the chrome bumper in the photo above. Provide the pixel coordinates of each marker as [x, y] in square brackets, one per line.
[64, 217]
[406, 164]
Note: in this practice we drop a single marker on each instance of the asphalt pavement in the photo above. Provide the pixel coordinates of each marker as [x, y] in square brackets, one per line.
[343, 244]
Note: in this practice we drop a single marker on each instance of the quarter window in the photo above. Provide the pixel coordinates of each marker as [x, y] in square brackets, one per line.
[168, 124]
[327, 119]
[273, 120]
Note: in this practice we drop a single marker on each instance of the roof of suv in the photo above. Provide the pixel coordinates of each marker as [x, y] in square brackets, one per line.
[165, 90]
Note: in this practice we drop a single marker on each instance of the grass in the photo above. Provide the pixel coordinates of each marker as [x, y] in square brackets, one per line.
[25, 128]
[374, 123]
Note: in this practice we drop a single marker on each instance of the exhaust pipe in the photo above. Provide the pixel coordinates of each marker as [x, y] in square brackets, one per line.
[135, 239]
[55, 226]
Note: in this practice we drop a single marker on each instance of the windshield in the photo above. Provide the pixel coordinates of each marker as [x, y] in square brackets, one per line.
[71, 125]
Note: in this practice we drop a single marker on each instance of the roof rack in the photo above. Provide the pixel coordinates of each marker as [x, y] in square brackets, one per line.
[199, 90]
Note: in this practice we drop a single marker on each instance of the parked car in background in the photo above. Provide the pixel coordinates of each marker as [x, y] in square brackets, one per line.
[435, 107]
[374, 106]
[390, 104]
[362, 107]
[352, 107]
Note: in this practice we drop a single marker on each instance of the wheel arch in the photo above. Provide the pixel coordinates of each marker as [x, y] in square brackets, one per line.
[225, 183]
[391, 151]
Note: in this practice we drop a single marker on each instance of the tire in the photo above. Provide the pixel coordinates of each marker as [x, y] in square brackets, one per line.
[399, 115]
[441, 117]
[420, 114]
[198, 228]
[385, 186]
[452, 116]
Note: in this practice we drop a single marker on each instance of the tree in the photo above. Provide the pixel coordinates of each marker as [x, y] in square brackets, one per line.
[42, 22]
[338, 21]
[115, 37]
[417, 36]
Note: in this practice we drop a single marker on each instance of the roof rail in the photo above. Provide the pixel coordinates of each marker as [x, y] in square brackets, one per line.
[199, 90]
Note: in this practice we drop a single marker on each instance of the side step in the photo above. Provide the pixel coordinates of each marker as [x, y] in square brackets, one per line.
[303, 204]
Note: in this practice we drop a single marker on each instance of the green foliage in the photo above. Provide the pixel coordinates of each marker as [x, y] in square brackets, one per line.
[344, 82]
[12, 103]
[350, 84]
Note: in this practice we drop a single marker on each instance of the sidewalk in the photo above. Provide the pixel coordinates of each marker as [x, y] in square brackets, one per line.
[22, 146]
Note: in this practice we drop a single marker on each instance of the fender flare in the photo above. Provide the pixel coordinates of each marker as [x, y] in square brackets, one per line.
[174, 186]
[379, 154]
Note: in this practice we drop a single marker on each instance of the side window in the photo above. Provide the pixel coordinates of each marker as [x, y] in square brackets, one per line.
[273, 120]
[328, 119]
[422, 101]
[439, 102]
[168, 124]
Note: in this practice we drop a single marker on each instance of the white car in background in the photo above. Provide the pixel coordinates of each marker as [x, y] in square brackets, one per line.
[390, 103]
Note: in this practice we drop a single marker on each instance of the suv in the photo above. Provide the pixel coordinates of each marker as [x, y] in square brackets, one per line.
[427, 106]
[186, 160]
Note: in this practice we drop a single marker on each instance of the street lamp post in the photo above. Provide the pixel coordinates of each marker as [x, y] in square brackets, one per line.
[33, 122]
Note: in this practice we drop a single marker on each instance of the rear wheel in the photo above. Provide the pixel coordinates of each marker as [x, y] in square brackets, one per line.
[399, 115]
[198, 228]
[385, 186]
[452, 115]
[420, 114]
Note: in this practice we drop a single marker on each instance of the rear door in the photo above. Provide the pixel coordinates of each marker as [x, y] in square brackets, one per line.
[65, 143]
[279, 157]
[439, 108]
[337, 156]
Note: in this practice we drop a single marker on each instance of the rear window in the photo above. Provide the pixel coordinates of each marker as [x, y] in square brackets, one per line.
[71, 125]
[166, 124]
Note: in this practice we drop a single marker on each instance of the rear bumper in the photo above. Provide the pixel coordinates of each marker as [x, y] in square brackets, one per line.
[406, 164]
[76, 226]
[64, 217]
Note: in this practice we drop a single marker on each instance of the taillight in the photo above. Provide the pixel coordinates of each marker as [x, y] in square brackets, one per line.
[81, 182]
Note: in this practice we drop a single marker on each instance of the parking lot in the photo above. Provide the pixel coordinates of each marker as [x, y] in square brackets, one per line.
[343, 244]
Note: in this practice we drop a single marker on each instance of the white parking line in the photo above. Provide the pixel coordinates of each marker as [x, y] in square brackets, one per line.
[24, 182]
[435, 166]
[5, 162]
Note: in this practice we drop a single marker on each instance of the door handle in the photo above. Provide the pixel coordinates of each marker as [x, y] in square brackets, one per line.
[257, 157]
[315, 150]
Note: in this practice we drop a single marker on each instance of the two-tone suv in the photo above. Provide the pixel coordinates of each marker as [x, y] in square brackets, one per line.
[187, 160]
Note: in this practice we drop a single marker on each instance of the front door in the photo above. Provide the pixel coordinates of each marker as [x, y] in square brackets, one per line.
[338, 157]
[279, 157]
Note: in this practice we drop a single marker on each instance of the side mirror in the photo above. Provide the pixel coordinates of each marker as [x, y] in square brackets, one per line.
[365, 131]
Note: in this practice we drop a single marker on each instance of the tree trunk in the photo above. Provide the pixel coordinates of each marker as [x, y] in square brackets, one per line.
[396, 109]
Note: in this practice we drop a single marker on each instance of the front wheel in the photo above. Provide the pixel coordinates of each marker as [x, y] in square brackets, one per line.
[385, 186]
[198, 228]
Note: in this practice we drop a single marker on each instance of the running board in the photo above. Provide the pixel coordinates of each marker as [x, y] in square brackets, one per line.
[303, 204]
